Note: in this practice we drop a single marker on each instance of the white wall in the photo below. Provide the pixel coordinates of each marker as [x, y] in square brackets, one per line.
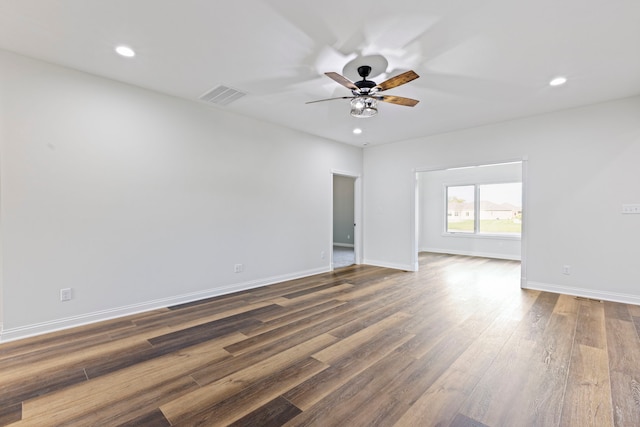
[431, 212]
[138, 200]
[582, 166]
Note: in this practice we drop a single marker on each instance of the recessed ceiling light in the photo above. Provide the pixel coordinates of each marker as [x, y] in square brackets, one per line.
[357, 131]
[558, 81]
[125, 51]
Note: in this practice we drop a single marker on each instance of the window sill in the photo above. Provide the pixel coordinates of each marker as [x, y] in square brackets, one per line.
[483, 236]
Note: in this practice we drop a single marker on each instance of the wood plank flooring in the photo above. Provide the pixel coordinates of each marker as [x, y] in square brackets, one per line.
[456, 344]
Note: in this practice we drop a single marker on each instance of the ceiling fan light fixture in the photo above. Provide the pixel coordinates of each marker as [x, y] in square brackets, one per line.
[364, 107]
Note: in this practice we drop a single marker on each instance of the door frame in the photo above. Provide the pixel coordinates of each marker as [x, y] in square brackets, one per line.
[357, 214]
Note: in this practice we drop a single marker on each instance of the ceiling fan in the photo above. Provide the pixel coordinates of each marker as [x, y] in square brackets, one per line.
[364, 102]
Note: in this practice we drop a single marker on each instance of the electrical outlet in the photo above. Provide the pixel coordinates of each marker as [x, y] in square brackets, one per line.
[566, 269]
[65, 294]
[238, 268]
[322, 254]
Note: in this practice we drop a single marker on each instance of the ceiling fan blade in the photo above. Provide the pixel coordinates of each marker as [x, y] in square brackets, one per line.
[399, 100]
[330, 99]
[342, 80]
[398, 80]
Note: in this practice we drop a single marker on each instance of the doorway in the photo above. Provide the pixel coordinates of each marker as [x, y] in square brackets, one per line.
[461, 224]
[343, 237]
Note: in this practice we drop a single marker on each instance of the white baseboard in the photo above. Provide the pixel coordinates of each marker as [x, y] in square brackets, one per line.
[512, 257]
[12, 334]
[585, 293]
[343, 245]
[405, 267]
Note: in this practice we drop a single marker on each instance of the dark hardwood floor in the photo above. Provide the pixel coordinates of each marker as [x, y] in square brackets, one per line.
[456, 344]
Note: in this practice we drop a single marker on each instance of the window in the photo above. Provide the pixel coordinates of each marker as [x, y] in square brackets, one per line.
[485, 209]
[460, 209]
[501, 208]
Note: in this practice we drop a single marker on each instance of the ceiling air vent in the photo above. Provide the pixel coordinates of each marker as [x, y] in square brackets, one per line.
[222, 95]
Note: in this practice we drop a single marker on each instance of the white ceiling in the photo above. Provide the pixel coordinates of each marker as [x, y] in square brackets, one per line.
[480, 61]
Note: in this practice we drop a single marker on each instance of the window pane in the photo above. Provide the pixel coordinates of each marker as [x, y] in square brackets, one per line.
[461, 209]
[501, 208]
